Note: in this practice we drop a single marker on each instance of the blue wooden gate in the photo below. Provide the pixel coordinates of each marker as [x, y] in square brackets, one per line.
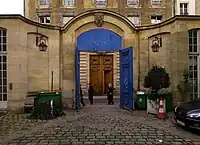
[126, 79]
[77, 78]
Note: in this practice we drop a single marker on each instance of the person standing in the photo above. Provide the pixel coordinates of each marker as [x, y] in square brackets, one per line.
[90, 93]
[81, 96]
[110, 94]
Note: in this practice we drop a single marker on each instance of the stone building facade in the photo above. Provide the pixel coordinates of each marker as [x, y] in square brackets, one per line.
[30, 69]
[60, 12]
[140, 12]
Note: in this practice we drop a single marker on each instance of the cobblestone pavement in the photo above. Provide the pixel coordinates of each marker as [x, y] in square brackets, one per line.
[103, 124]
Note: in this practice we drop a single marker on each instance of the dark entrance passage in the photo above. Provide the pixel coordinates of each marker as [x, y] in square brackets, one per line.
[101, 40]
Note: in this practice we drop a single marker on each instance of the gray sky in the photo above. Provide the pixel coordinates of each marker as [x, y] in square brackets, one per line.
[11, 7]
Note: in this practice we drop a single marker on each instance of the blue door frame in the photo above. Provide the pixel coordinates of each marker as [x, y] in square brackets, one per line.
[105, 40]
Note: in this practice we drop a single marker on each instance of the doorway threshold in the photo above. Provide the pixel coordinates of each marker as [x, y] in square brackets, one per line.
[100, 97]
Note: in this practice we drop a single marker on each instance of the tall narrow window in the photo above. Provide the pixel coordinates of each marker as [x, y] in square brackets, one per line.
[194, 63]
[69, 2]
[132, 2]
[156, 19]
[44, 2]
[156, 2]
[3, 68]
[100, 3]
[44, 20]
[183, 8]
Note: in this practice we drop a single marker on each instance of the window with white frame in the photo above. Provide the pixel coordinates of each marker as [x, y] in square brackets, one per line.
[44, 2]
[69, 2]
[194, 63]
[156, 19]
[135, 20]
[3, 66]
[183, 8]
[100, 3]
[66, 19]
[132, 2]
[44, 19]
[156, 2]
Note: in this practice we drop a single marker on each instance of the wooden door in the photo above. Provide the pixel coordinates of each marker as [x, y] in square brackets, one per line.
[95, 73]
[108, 71]
[101, 73]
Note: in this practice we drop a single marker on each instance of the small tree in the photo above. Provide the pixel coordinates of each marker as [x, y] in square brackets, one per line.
[156, 79]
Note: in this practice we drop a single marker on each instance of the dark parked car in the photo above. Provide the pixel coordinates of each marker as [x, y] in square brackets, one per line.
[188, 114]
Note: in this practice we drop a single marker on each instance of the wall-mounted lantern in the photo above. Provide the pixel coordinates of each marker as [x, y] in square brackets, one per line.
[41, 42]
[156, 44]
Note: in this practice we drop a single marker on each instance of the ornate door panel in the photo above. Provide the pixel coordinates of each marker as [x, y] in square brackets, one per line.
[126, 78]
[95, 73]
[108, 71]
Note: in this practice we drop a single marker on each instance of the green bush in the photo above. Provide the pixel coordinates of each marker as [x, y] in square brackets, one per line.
[156, 79]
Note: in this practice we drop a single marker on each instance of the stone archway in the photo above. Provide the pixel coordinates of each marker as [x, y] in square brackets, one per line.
[85, 22]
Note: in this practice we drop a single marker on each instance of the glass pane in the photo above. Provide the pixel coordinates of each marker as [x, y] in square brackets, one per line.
[4, 82]
[4, 40]
[1, 41]
[195, 89]
[4, 47]
[194, 33]
[190, 48]
[1, 99]
[4, 89]
[194, 48]
[4, 74]
[190, 41]
[4, 66]
[195, 41]
[1, 74]
[4, 33]
[4, 59]
[4, 97]
[195, 74]
[190, 33]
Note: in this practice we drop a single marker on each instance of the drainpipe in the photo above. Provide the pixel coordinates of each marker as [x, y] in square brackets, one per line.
[138, 42]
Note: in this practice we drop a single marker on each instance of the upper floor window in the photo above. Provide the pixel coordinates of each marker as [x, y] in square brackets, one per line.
[44, 2]
[69, 2]
[156, 2]
[156, 19]
[135, 20]
[3, 40]
[44, 20]
[132, 2]
[183, 8]
[100, 3]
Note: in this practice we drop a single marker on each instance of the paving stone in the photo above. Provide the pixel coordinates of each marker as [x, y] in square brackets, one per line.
[100, 125]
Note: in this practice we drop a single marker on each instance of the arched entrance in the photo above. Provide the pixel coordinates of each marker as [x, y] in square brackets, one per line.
[102, 41]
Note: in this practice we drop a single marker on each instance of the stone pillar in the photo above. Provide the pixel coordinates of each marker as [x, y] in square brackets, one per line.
[122, 6]
[145, 17]
[168, 9]
[80, 4]
[56, 15]
[30, 9]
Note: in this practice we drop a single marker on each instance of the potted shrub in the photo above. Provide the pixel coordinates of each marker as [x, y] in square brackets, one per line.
[156, 79]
